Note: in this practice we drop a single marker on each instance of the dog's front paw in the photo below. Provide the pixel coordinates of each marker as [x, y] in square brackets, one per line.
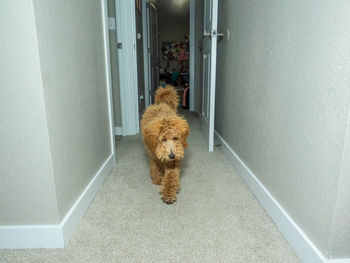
[168, 198]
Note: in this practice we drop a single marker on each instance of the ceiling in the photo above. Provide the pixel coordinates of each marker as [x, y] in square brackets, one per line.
[173, 9]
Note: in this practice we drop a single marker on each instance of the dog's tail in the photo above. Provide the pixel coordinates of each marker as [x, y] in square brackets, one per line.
[167, 95]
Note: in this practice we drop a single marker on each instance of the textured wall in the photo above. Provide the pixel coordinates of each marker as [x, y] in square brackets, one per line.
[283, 97]
[71, 49]
[173, 30]
[173, 21]
[27, 193]
[114, 67]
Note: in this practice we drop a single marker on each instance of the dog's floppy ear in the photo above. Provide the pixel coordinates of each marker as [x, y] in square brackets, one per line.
[151, 132]
[184, 129]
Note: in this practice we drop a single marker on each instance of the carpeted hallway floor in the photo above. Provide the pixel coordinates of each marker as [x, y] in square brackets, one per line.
[215, 219]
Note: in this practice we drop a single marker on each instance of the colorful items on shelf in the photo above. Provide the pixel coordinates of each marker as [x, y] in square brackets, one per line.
[176, 50]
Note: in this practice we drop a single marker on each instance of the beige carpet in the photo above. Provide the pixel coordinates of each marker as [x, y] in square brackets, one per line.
[215, 219]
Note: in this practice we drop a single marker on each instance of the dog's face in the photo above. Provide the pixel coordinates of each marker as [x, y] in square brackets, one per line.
[166, 138]
[170, 146]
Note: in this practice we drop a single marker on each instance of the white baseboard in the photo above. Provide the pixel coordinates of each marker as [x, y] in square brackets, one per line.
[55, 236]
[118, 131]
[31, 236]
[302, 245]
[75, 214]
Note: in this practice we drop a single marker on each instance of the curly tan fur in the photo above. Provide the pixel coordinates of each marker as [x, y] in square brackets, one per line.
[167, 95]
[164, 134]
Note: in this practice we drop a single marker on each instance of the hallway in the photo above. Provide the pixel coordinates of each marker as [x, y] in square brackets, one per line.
[215, 219]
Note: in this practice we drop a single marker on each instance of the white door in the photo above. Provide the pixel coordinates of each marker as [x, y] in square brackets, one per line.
[140, 61]
[127, 65]
[209, 70]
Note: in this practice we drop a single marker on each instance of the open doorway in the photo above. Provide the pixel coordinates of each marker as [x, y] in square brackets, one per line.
[174, 47]
[181, 44]
[169, 47]
[178, 49]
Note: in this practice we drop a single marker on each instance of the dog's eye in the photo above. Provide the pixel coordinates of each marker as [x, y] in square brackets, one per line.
[175, 138]
[163, 140]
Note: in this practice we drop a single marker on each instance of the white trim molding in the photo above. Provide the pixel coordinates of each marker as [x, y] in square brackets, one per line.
[55, 236]
[299, 241]
[127, 64]
[108, 72]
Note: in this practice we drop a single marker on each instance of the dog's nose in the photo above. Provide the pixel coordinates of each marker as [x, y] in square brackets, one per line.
[171, 155]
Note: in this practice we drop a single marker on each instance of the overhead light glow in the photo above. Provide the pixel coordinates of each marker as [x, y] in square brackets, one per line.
[179, 3]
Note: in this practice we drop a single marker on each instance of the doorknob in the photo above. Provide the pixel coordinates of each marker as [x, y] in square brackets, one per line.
[220, 36]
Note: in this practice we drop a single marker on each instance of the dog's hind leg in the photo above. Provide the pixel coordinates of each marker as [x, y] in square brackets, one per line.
[157, 172]
[170, 184]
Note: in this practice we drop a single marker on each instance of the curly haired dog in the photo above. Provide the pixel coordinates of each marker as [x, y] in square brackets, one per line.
[164, 134]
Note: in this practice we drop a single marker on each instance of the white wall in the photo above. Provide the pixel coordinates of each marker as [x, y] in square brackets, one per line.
[27, 192]
[71, 49]
[283, 99]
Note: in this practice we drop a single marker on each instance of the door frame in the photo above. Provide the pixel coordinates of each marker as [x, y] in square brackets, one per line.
[108, 74]
[146, 59]
[208, 122]
[127, 65]
[192, 52]
[146, 45]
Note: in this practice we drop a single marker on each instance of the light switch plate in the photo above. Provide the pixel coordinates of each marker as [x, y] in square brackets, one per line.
[111, 23]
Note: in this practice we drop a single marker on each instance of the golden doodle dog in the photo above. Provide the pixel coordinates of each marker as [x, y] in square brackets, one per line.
[164, 133]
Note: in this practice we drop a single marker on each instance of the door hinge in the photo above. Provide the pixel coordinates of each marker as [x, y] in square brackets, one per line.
[119, 45]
